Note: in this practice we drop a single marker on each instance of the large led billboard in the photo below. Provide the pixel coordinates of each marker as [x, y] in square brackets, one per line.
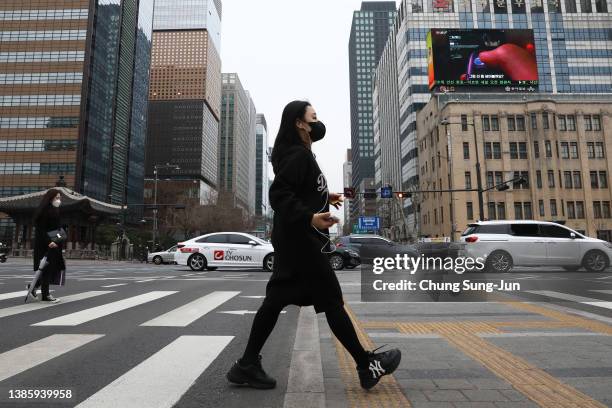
[482, 60]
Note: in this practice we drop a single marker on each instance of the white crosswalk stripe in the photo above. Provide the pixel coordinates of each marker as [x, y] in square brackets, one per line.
[574, 298]
[74, 319]
[25, 357]
[161, 380]
[14, 295]
[28, 307]
[187, 314]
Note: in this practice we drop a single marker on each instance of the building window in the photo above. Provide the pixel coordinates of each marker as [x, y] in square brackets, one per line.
[571, 210]
[464, 123]
[494, 123]
[553, 208]
[594, 179]
[548, 148]
[490, 179]
[518, 150]
[518, 211]
[470, 210]
[496, 150]
[603, 179]
[545, 122]
[534, 121]
[596, 123]
[574, 150]
[538, 179]
[605, 209]
[536, 149]
[524, 175]
[588, 124]
[486, 124]
[577, 180]
[579, 210]
[492, 210]
[511, 123]
[468, 180]
[571, 122]
[501, 211]
[488, 151]
[466, 150]
[520, 123]
[513, 150]
[597, 209]
[541, 207]
[551, 179]
[567, 179]
[599, 150]
[522, 150]
[565, 150]
[561, 123]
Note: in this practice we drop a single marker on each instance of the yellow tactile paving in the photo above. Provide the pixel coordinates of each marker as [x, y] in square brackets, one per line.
[539, 386]
[387, 394]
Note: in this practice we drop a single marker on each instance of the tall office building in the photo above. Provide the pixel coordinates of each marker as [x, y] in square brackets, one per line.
[261, 167]
[237, 143]
[185, 92]
[571, 43]
[369, 33]
[74, 77]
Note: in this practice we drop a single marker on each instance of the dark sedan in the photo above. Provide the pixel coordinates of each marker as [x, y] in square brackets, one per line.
[344, 258]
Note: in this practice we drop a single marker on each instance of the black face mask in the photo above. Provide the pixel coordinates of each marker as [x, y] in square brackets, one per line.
[317, 131]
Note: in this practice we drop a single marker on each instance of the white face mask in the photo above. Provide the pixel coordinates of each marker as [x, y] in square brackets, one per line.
[56, 203]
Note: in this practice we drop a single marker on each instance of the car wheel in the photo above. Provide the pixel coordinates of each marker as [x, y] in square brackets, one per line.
[572, 268]
[268, 263]
[197, 262]
[157, 260]
[212, 268]
[499, 262]
[336, 261]
[595, 261]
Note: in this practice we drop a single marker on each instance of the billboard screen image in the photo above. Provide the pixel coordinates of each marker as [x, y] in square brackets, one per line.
[481, 60]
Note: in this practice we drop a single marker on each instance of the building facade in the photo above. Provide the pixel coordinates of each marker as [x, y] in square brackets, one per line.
[347, 178]
[74, 76]
[369, 33]
[571, 42]
[185, 92]
[261, 167]
[237, 143]
[559, 144]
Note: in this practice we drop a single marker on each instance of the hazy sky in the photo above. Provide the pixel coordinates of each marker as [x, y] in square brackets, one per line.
[288, 49]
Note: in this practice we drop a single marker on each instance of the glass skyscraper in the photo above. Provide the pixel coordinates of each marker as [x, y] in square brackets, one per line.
[73, 78]
[369, 33]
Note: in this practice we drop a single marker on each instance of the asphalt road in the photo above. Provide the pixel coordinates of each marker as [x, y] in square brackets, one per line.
[111, 341]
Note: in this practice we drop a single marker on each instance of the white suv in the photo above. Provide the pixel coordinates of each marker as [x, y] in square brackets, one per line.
[225, 249]
[505, 244]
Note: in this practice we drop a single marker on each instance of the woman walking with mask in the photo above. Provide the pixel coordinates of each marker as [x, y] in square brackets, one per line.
[47, 219]
[302, 274]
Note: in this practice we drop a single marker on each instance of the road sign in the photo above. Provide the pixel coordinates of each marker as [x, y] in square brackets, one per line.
[369, 223]
[386, 192]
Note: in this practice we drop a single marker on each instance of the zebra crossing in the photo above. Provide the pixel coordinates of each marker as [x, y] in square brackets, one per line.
[160, 379]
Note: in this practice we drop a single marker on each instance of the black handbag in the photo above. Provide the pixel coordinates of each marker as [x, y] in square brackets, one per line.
[57, 236]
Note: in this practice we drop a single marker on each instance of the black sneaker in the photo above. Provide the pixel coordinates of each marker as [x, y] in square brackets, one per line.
[379, 364]
[50, 299]
[251, 374]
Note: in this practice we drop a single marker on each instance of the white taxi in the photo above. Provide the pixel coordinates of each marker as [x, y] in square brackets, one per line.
[225, 249]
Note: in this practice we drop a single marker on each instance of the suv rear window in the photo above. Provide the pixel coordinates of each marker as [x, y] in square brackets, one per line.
[525, 230]
[486, 229]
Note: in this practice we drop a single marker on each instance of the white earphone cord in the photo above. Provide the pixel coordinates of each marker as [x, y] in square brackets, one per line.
[319, 232]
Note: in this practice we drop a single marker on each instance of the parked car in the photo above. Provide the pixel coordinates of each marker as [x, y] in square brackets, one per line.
[505, 244]
[357, 241]
[161, 257]
[342, 258]
[225, 249]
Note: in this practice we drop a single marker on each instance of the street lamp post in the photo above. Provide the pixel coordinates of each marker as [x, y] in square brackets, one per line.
[156, 167]
[478, 175]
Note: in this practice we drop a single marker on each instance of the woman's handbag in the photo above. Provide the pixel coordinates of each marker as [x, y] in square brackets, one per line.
[57, 236]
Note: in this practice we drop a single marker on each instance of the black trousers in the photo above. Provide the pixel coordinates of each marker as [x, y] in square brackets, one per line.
[337, 318]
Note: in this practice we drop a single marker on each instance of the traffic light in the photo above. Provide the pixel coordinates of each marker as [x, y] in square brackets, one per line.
[404, 194]
[370, 195]
[349, 192]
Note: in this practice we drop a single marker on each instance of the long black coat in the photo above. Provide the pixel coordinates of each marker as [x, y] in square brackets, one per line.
[302, 274]
[48, 221]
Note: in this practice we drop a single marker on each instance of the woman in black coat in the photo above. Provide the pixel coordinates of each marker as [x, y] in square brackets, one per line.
[47, 218]
[302, 274]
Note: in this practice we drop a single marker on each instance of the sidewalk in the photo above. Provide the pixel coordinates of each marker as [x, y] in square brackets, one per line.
[499, 355]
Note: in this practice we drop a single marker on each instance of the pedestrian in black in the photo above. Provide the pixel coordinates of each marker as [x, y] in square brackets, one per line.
[302, 274]
[47, 219]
